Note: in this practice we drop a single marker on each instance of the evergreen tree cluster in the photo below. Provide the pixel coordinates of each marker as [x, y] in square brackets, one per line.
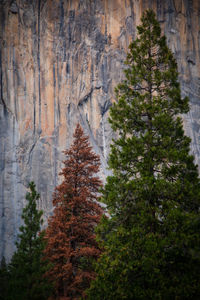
[23, 278]
[4, 278]
[151, 240]
[57, 263]
[147, 245]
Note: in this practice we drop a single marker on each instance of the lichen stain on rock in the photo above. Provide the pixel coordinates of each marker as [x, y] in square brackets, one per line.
[59, 64]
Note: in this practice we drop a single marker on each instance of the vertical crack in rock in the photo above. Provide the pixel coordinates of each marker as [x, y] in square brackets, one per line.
[29, 161]
[38, 61]
[34, 36]
[104, 139]
[1, 82]
[55, 125]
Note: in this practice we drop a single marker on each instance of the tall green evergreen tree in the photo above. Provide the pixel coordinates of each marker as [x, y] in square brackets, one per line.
[151, 239]
[4, 277]
[27, 267]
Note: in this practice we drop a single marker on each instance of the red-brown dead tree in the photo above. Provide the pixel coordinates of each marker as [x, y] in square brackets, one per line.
[70, 237]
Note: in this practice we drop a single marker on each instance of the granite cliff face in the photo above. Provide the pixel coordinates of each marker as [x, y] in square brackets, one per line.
[59, 63]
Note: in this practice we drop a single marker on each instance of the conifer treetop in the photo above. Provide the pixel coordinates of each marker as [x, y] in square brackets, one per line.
[27, 267]
[151, 240]
[70, 235]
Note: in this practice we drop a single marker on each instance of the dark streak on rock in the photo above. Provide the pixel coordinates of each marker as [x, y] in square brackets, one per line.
[67, 68]
[85, 98]
[55, 126]
[35, 57]
[14, 84]
[88, 96]
[104, 74]
[61, 29]
[59, 87]
[34, 114]
[105, 107]
[54, 93]
[2, 153]
[71, 15]
[1, 82]
[14, 7]
[30, 153]
[191, 61]
[38, 61]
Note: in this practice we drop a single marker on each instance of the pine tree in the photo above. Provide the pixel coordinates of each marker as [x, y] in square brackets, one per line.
[27, 267]
[151, 239]
[4, 277]
[71, 245]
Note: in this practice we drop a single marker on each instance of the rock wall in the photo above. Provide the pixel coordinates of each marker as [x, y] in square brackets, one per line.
[59, 63]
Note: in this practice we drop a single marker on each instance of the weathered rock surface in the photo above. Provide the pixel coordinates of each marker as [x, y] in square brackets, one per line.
[59, 63]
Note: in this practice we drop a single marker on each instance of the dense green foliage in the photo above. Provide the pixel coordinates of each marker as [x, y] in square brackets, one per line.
[151, 239]
[4, 276]
[27, 267]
